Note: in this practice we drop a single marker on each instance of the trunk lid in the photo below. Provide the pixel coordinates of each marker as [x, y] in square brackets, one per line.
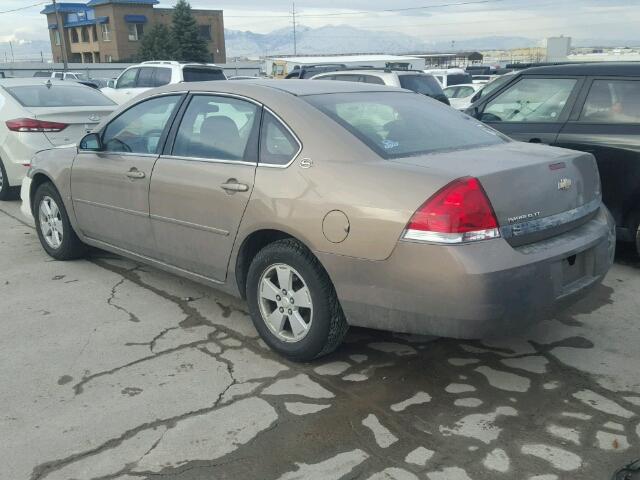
[536, 191]
[80, 120]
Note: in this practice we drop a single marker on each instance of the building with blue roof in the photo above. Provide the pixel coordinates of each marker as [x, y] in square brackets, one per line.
[111, 30]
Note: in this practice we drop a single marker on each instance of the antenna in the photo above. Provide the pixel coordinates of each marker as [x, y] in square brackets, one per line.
[295, 43]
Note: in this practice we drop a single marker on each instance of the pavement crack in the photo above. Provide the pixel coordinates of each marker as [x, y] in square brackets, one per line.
[111, 302]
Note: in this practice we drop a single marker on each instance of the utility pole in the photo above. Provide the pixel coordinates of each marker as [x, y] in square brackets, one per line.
[295, 43]
[63, 40]
[11, 47]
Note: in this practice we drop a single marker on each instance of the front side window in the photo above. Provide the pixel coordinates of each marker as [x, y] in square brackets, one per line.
[219, 128]
[136, 31]
[139, 129]
[396, 124]
[465, 92]
[128, 78]
[106, 33]
[612, 101]
[277, 145]
[530, 100]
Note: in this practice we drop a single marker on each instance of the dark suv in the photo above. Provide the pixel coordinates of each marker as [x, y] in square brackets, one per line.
[590, 107]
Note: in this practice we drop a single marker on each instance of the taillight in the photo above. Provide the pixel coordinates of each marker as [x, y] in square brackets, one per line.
[458, 213]
[33, 125]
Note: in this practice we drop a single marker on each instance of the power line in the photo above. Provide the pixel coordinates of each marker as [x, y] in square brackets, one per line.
[23, 8]
[362, 12]
[295, 43]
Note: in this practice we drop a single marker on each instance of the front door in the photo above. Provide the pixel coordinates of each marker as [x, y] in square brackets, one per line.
[532, 109]
[200, 188]
[110, 188]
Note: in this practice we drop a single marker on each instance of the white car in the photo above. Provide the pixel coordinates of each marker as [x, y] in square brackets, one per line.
[460, 95]
[139, 78]
[413, 80]
[450, 76]
[61, 75]
[38, 114]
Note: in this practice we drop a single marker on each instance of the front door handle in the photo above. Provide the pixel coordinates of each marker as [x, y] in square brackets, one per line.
[135, 173]
[232, 185]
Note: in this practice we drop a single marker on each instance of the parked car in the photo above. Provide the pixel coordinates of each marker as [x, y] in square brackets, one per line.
[308, 71]
[413, 80]
[590, 107]
[483, 79]
[450, 76]
[139, 78]
[61, 75]
[36, 115]
[460, 95]
[328, 204]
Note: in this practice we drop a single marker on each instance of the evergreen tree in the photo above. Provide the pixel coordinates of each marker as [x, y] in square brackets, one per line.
[156, 44]
[187, 43]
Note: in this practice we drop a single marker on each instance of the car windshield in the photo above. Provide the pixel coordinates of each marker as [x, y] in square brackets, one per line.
[202, 74]
[424, 84]
[58, 96]
[397, 124]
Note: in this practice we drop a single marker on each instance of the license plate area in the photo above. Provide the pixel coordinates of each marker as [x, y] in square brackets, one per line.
[576, 269]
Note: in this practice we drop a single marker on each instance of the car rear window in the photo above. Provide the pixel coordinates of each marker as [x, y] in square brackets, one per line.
[397, 124]
[202, 74]
[424, 84]
[58, 96]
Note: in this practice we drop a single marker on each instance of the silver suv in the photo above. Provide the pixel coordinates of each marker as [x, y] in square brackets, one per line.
[414, 80]
[139, 78]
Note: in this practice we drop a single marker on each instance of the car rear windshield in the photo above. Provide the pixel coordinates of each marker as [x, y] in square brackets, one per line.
[202, 74]
[395, 124]
[424, 84]
[459, 78]
[58, 96]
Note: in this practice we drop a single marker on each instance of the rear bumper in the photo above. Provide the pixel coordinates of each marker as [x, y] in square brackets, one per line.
[25, 196]
[473, 290]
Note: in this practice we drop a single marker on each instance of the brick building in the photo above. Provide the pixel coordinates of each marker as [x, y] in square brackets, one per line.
[111, 30]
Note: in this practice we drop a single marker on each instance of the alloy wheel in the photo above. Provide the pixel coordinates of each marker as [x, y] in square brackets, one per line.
[285, 302]
[51, 225]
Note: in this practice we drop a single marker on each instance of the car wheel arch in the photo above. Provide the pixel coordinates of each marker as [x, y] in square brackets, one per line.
[249, 248]
[37, 180]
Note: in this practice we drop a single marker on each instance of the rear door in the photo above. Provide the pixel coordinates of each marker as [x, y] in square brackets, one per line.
[202, 183]
[606, 122]
[533, 108]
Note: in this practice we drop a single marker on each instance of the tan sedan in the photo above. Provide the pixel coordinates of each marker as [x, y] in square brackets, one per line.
[328, 204]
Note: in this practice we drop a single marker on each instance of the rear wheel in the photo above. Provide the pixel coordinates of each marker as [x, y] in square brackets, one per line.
[293, 303]
[53, 226]
[7, 192]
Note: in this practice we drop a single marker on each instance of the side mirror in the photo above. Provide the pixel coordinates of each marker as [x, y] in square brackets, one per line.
[90, 143]
[111, 83]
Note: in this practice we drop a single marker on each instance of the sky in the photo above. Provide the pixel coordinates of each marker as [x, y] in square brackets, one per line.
[429, 20]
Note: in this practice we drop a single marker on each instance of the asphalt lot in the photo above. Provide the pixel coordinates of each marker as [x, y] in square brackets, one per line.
[113, 370]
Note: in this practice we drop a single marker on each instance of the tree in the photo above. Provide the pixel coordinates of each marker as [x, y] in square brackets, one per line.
[186, 40]
[156, 44]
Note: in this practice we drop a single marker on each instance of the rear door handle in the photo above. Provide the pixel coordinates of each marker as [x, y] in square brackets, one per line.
[232, 185]
[135, 173]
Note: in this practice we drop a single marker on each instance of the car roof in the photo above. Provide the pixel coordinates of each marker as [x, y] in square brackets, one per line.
[293, 87]
[600, 68]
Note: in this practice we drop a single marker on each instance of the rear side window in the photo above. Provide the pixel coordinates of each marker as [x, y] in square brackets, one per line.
[162, 77]
[58, 96]
[424, 84]
[145, 78]
[396, 124]
[219, 128]
[372, 79]
[349, 78]
[612, 101]
[277, 145]
[202, 74]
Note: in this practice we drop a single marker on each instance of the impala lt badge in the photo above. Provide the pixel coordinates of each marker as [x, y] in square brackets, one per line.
[564, 184]
[526, 216]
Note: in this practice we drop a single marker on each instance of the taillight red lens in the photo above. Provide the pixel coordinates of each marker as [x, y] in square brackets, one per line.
[33, 125]
[459, 212]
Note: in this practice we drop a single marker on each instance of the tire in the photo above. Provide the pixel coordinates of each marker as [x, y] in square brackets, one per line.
[310, 283]
[67, 245]
[638, 239]
[7, 192]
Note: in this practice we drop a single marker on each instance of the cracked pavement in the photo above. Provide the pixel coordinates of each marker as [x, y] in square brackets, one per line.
[114, 370]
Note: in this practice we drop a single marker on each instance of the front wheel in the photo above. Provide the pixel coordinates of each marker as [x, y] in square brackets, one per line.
[53, 226]
[292, 302]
